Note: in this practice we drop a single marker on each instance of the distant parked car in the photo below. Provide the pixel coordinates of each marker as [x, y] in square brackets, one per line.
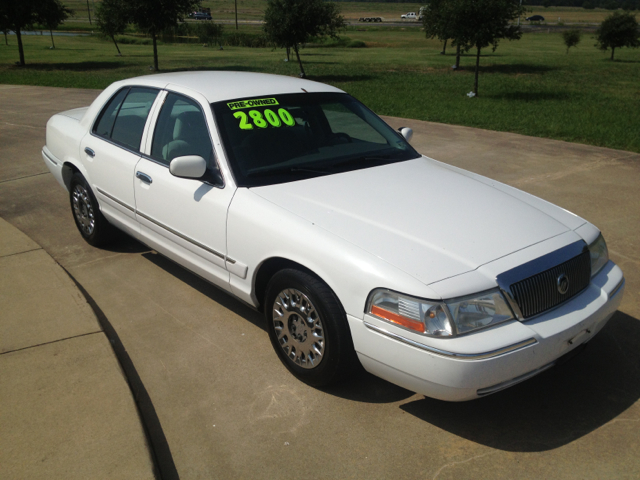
[535, 18]
[202, 16]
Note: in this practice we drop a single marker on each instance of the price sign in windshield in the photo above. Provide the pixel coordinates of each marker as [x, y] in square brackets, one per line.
[274, 116]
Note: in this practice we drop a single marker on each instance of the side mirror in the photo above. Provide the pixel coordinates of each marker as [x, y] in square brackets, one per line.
[189, 166]
[406, 132]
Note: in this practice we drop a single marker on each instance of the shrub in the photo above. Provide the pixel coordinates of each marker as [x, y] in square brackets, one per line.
[571, 38]
[356, 44]
[133, 41]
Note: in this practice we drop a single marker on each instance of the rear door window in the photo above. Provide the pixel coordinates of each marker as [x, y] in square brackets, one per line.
[123, 119]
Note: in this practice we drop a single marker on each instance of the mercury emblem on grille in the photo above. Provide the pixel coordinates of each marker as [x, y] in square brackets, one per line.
[563, 284]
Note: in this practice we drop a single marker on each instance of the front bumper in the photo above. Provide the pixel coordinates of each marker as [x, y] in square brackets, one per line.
[484, 362]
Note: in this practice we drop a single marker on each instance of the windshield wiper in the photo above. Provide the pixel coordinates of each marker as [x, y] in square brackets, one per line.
[365, 159]
[285, 170]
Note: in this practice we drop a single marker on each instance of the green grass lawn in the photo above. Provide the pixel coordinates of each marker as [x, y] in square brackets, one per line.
[529, 86]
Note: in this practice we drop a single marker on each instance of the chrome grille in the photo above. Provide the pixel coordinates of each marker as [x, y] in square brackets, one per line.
[539, 293]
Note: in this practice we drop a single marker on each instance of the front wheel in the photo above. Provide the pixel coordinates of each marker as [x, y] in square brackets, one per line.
[308, 328]
[92, 225]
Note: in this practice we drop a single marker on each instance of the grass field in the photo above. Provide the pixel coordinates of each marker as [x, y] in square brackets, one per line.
[530, 86]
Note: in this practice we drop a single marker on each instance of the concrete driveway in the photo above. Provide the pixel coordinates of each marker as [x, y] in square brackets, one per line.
[229, 409]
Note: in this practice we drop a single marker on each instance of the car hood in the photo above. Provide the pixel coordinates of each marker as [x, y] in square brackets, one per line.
[420, 216]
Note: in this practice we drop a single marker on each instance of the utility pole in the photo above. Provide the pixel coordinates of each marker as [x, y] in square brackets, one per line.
[237, 14]
[89, 12]
[519, 14]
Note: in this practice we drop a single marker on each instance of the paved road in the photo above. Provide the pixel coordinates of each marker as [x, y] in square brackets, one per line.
[229, 409]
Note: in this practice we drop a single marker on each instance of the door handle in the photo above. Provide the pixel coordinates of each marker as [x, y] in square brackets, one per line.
[144, 177]
[89, 152]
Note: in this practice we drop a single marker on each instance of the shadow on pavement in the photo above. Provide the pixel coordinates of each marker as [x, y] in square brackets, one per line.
[123, 243]
[556, 407]
[367, 388]
[207, 289]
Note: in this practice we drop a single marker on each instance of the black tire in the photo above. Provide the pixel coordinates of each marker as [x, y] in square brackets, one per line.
[319, 352]
[92, 225]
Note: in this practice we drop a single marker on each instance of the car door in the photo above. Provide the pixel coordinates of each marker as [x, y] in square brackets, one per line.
[111, 151]
[184, 218]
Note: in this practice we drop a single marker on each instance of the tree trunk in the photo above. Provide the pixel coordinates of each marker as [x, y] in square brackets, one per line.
[444, 47]
[89, 12]
[612, 50]
[457, 57]
[6, 41]
[52, 44]
[295, 49]
[236, 14]
[475, 85]
[116, 44]
[20, 49]
[288, 49]
[155, 51]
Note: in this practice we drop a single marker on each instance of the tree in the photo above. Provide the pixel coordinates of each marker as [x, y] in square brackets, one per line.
[4, 26]
[571, 38]
[487, 22]
[112, 17]
[51, 14]
[618, 30]
[440, 19]
[289, 23]
[154, 16]
[18, 15]
[478, 24]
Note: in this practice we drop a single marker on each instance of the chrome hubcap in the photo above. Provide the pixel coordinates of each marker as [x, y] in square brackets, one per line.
[298, 328]
[83, 210]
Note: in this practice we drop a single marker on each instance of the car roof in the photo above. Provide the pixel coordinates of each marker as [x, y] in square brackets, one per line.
[218, 86]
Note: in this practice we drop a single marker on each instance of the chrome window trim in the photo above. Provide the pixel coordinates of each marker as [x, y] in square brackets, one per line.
[184, 237]
[444, 353]
[534, 267]
[119, 202]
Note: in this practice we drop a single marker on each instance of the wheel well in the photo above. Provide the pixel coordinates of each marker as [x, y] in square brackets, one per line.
[268, 269]
[68, 169]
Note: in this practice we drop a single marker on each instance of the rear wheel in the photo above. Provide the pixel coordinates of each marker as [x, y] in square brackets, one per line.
[308, 328]
[92, 225]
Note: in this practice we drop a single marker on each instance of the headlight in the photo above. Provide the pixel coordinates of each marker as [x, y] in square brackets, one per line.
[599, 254]
[440, 319]
[479, 311]
[422, 316]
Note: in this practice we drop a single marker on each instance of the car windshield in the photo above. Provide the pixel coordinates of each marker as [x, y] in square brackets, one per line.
[283, 138]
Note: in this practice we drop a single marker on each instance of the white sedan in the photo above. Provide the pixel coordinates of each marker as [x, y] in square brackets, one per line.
[300, 201]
